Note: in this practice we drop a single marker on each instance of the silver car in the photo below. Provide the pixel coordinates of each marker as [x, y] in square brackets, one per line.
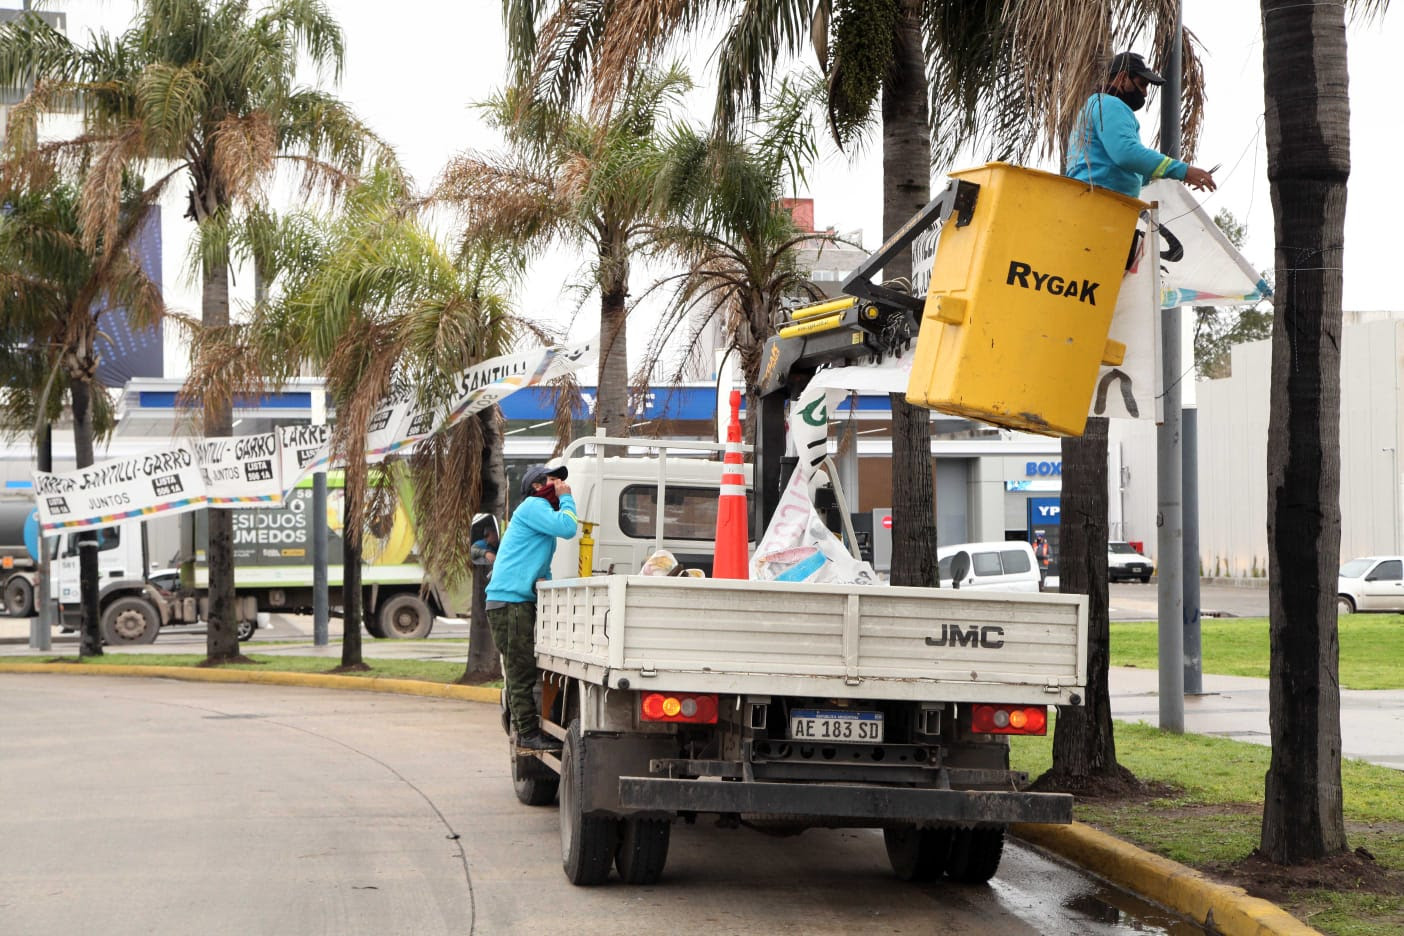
[1373, 583]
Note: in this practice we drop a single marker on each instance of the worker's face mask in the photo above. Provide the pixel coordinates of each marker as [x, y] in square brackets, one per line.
[1133, 98]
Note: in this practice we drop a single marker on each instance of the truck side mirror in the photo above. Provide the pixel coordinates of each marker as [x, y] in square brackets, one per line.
[960, 567]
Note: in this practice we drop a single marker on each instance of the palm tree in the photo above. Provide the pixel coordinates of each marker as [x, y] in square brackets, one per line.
[56, 294]
[206, 91]
[373, 300]
[739, 243]
[1004, 78]
[579, 182]
[1305, 84]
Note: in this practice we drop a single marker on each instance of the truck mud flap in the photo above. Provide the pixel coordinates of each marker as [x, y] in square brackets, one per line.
[902, 804]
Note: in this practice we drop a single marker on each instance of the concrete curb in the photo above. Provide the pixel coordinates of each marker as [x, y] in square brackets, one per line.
[1219, 908]
[312, 680]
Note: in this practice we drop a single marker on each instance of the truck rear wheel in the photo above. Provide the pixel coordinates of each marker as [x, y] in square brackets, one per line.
[19, 597]
[643, 849]
[917, 854]
[975, 854]
[130, 620]
[587, 842]
[405, 616]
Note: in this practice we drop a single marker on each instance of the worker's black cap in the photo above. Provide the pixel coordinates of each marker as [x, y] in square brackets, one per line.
[1134, 64]
[540, 473]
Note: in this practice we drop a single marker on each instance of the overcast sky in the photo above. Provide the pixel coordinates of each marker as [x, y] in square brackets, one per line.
[413, 67]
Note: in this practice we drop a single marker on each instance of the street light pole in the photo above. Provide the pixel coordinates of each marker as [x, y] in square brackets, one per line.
[1169, 460]
[41, 629]
[321, 604]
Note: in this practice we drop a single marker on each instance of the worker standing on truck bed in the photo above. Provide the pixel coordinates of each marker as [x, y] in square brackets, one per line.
[547, 512]
[1105, 147]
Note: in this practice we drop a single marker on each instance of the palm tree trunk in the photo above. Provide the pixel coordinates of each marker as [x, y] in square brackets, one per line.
[351, 604]
[483, 661]
[1308, 143]
[612, 394]
[906, 187]
[222, 634]
[1083, 744]
[90, 638]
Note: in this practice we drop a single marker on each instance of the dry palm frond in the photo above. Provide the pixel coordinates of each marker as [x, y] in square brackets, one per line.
[568, 402]
[634, 32]
[223, 366]
[445, 472]
[102, 186]
[242, 153]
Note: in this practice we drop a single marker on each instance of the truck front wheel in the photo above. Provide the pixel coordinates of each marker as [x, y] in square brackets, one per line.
[19, 597]
[918, 855]
[406, 616]
[130, 620]
[975, 854]
[587, 842]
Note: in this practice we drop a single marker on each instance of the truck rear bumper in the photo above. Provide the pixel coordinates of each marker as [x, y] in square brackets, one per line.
[848, 801]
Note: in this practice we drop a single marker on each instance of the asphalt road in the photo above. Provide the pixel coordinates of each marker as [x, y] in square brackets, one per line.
[152, 806]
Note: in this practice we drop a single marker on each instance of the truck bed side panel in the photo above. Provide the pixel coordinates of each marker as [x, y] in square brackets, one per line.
[848, 641]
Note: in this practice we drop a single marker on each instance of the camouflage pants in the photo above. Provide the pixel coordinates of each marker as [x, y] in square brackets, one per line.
[514, 632]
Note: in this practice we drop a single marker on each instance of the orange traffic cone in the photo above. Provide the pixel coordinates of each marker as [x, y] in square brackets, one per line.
[729, 560]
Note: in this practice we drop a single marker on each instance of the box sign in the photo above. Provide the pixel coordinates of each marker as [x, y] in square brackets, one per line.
[1043, 469]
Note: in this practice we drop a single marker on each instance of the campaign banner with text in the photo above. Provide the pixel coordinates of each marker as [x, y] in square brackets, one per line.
[301, 451]
[166, 482]
[398, 424]
[240, 471]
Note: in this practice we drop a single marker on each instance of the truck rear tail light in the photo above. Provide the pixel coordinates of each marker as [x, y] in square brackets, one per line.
[689, 707]
[1010, 719]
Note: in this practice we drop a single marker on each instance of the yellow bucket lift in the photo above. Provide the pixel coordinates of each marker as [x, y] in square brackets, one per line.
[1023, 287]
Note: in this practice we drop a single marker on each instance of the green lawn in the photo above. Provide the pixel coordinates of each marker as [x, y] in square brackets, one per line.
[1372, 648]
[1214, 816]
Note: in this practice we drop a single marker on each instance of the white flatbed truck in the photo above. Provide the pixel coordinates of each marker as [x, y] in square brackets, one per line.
[787, 705]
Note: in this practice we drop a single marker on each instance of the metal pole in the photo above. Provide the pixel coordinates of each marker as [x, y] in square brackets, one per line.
[1194, 661]
[41, 628]
[1169, 460]
[321, 604]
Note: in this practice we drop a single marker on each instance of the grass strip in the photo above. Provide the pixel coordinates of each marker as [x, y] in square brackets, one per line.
[1372, 648]
[1212, 816]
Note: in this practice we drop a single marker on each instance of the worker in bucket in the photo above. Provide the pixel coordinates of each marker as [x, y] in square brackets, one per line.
[546, 513]
[1105, 148]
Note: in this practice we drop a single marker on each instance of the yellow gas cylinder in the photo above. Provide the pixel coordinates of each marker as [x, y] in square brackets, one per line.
[1015, 324]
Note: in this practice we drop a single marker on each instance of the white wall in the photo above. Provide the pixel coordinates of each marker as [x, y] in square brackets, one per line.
[1233, 427]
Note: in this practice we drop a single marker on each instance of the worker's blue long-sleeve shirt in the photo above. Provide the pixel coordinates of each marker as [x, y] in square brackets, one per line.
[1105, 149]
[524, 555]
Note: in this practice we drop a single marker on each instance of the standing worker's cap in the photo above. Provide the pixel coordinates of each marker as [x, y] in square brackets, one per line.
[540, 473]
[1136, 66]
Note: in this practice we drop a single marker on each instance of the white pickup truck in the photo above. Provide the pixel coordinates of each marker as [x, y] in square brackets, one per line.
[787, 705]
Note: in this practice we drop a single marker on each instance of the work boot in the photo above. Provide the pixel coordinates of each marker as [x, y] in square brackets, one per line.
[536, 742]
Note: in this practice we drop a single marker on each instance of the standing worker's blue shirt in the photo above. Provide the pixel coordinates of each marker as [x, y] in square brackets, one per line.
[524, 555]
[1105, 149]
